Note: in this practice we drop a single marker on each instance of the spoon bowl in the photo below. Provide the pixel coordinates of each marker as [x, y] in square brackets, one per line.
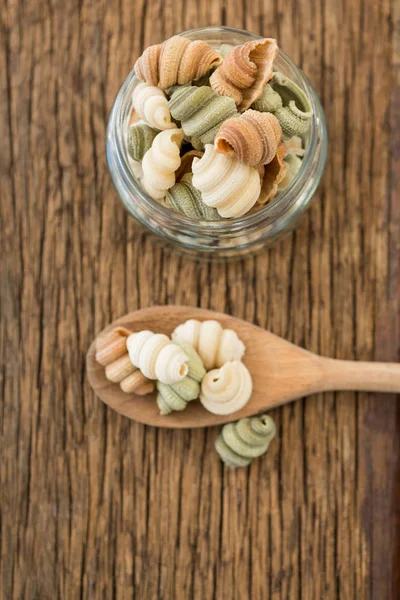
[281, 371]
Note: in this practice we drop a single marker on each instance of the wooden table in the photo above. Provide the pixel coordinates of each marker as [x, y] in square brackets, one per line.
[95, 506]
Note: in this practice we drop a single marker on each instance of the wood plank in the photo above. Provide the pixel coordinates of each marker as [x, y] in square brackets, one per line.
[95, 506]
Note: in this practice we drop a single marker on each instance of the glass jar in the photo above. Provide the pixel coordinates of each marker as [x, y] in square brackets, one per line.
[230, 237]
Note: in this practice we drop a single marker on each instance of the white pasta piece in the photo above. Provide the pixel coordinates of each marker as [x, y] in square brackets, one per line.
[157, 357]
[230, 348]
[171, 364]
[151, 104]
[226, 390]
[160, 163]
[225, 183]
[136, 167]
[135, 343]
[209, 339]
[188, 332]
[215, 345]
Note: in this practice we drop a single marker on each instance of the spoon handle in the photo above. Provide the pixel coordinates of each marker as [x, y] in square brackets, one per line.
[361, 376]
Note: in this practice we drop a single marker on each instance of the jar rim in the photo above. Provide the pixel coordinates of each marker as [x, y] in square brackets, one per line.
[231, 227]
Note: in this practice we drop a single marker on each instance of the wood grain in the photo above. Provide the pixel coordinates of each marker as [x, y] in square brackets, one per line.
[96, 506]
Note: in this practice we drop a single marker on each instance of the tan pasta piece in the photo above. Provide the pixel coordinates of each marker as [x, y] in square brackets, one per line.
[147, 65]
[274, 173]
[176, 61]
[111, 346]
[186, 163]
[260, 170]
[253, 137]
[112, 353]
[119, 369]
[137, 383]
[245, 71]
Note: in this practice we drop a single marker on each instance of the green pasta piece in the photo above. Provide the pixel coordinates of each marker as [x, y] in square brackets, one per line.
[239, 443]
[289, 103]
[186, 100]
[289, 91]
[195, 364]
[169, 90]
[196, 143]
[175, 397]
[295, 115]
[201, 112]
[140, 139]
[209, 136]
[184, 197]
[168, 400]
[269, 101]
[230, 457]
[292, 120]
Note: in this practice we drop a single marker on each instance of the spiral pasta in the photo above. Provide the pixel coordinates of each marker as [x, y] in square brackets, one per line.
[201, 112]
[244, 440]
[253, 138]
[215, 345]
[289, 103]
[185, 198]
[177, 60]
[111, 352]
[269, 101]
[140, 139]
[226, 390]
[136, 167]
[274, 173]
[225, 183]
[111, 346]
[186, 163]
[151, 104]
[176, 396]
[160, 163]
[157, 357]
[245, 71]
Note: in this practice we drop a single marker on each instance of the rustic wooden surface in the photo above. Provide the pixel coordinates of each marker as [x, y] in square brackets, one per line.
[96, 506]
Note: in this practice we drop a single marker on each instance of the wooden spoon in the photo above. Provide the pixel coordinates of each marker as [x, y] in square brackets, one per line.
[281, 371]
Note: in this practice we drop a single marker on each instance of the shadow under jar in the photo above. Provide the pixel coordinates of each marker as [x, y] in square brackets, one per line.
[227, 238]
